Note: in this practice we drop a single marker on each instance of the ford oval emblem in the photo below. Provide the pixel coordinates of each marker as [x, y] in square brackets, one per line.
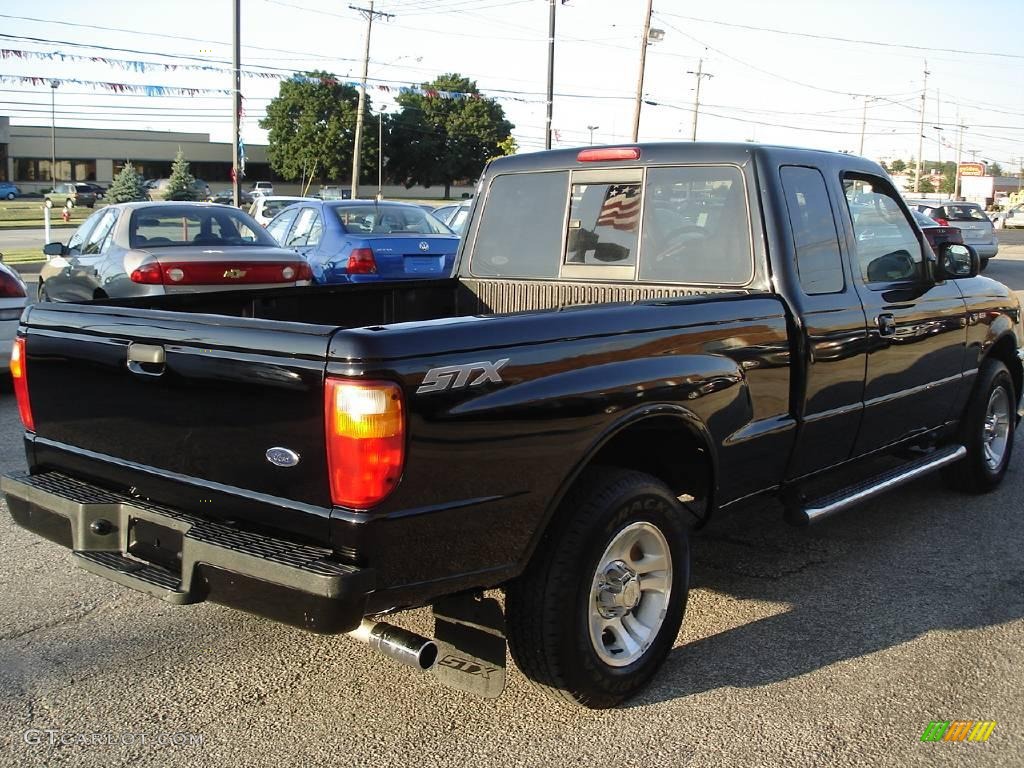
[282, 457]
[424, 245]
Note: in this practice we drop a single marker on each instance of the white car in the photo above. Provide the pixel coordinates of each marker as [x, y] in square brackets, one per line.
[1013, 218]
[266, 207]
[262, 188]
[13, 297]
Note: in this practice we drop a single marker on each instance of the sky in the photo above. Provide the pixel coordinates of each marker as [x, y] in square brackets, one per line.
[777, 77]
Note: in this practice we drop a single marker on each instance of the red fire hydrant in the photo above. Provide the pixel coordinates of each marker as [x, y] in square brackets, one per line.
[65, 215]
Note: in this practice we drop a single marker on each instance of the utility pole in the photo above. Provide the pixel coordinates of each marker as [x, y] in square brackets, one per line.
[640, 76]
[592, 128]
[380, 153]
[53, 133]
[369, 14]
[701, 74]
[959, 154]
[1020, 173]
[920, 137]
[551, 73]
[236, 102]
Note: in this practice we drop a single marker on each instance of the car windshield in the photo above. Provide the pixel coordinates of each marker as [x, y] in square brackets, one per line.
[922, 220]
[388, 220]
[167, 225]
[273, 207]
[965, 213]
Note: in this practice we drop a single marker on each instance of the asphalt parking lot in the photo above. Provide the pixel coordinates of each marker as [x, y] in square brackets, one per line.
[835, 646]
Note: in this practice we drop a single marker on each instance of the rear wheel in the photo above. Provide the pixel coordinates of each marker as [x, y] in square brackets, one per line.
[599, 607]
[10, 195]
[987, 430]
[984, 265]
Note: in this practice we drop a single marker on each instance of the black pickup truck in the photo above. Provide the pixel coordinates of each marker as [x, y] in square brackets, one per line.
[638, 337]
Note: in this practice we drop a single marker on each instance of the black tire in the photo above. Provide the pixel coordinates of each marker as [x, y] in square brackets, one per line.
[10, 195]
[41, 294]
[549, 607]
[983, 265]
[976, 473]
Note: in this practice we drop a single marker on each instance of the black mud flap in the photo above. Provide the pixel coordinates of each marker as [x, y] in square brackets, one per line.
[470, 635]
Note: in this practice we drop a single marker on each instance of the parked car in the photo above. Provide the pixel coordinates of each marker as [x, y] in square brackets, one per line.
[13, 298]
[970, 218]
[98, 189]
[1013, 218]
[227, 197]
[8, 191]
[935, 233]
[147, 249]
[262, 188]
[359, 240]
[608, 370]
[335, 192]
[454, 216]
[159, 190]
[266, 207]
[71, 194]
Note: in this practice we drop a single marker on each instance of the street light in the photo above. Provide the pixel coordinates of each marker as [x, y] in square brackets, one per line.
[592, 128]
[53, 134]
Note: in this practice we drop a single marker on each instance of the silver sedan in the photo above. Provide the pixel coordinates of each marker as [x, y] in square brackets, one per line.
[146, 249]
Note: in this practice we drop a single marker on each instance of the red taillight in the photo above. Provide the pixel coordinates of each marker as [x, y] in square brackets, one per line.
[365, 440]
[361, 262]
[19, 375]
[942, 222]
[608, 153]
[222, 273]
[10, 286]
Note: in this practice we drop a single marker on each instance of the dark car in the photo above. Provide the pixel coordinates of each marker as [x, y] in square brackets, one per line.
[935, 233]
[146, 249]
[363, 240]
[227, 197]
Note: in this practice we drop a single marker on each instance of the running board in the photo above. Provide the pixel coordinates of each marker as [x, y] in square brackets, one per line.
[814, 510]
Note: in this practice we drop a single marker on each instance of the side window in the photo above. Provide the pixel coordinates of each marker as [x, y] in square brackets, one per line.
[98, 237]
[604, 223]
[300, 232]
[818, 261]
[316, 230]
[887, 246]
[696, 226]
[82, 233]
[279, 226]
[523, 216]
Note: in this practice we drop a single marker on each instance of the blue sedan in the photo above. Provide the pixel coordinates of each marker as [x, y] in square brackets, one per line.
[361, 240]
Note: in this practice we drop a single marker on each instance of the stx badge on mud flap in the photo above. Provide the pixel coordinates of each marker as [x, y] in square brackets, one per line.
[457, 376]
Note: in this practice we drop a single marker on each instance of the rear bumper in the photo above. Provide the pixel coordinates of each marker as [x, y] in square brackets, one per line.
[985, 250]
[184, 559]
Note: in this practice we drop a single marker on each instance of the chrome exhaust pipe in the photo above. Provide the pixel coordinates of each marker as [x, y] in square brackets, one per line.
[396, 643]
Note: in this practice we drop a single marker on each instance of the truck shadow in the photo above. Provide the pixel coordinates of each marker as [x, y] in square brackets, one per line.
[917, 560]
[1010, 272]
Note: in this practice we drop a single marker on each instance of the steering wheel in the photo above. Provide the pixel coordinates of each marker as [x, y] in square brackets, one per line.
[680, 237]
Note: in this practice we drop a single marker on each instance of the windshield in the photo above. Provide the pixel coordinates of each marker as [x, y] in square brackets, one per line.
[388, 220]
[965, 213]
[221, 226]
[273, 207]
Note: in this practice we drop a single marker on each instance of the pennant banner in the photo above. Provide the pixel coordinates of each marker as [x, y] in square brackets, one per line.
[145, 90]
[129, 65]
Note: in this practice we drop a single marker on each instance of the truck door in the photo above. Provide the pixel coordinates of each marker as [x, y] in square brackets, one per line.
[916, 326]
[833, 333]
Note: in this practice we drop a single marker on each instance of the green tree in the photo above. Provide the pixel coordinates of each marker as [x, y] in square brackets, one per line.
[897, 166]
[182, 184]
[926, 184]
[995, 170]
[311, 126]
[442, 141]
[127, 187]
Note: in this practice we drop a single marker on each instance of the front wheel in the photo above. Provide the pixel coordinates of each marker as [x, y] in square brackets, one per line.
[987, 430]
[10, 195]
[600, 604]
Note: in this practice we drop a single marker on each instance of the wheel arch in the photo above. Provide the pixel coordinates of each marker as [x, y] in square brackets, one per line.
[643, 440]
[1004, 349]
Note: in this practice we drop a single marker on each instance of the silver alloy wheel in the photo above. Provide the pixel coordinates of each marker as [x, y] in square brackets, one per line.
[630, 594]
[996, 429]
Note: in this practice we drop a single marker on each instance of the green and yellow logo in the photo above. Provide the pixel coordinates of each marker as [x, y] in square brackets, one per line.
[959, 730]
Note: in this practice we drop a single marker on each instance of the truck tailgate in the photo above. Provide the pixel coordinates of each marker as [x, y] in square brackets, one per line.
[194, 430]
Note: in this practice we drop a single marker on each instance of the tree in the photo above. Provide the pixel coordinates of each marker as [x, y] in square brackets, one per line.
[312, 128]
[127, 187]
[926, 184]
[438, 140]
[182, 184]
[897, 166]
[995, 169]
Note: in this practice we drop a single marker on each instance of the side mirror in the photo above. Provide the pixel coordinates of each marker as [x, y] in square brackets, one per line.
[55, 249]
[957, 261]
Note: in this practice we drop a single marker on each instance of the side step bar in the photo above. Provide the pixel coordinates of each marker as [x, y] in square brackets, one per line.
[814, 510]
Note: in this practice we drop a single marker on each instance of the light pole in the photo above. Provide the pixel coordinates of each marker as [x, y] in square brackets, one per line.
[592, 128]
[53, 134]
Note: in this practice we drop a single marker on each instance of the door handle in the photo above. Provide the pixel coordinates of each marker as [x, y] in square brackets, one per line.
[886, 324]
[146, 359]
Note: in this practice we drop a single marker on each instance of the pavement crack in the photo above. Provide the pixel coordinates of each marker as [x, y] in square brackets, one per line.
[63, 620]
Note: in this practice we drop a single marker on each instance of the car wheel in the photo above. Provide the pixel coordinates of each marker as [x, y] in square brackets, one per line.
[41, 294]
[983, 265]
[599, 606]
[10, 195]
[48, 203]
[69, 203]
[986, 430]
